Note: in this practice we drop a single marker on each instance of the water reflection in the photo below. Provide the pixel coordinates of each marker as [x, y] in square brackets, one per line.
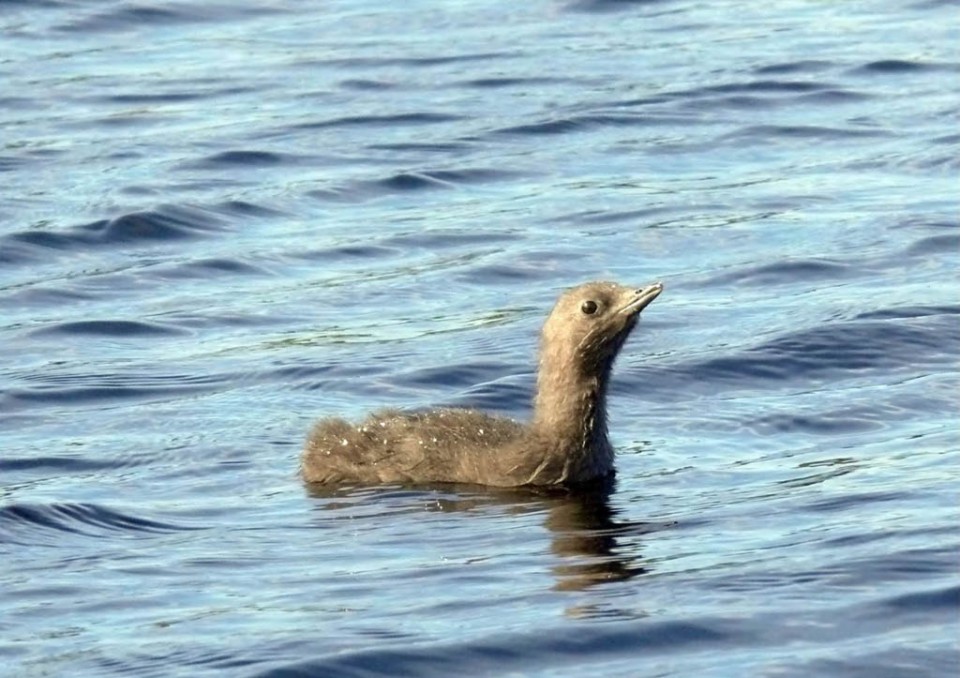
[587, 537]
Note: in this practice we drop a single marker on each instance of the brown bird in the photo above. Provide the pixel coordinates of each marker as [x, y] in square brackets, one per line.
[565, 442]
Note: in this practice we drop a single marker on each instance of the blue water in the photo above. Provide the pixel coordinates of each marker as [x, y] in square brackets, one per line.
[221, 222]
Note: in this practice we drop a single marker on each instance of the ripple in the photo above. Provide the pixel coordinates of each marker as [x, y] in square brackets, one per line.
[936, 244]
[391, 121]
[206, 269]
[785, 272]
[947, 598]
[404, 182]
[460, 375]
[162, 224]
[79, 389]
[832, 351]
[414, 62]
[110, 328]
[888, 66]
[244, 158]
[127, 16]
[22, 523]
[524, 653]
[505, 82]
[450, 238]
[765, 133]
[802, 66]
[588, 121]
[838, 422]
[609, 6]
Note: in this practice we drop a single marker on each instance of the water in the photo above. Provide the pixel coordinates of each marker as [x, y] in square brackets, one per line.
[218, 224]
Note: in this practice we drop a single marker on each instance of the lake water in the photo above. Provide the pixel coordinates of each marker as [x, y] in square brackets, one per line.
[219, 222]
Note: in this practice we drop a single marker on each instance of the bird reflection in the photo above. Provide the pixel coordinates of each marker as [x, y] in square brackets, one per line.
[590, 542]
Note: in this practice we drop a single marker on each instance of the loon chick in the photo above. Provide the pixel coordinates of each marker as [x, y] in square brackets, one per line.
[564, 443]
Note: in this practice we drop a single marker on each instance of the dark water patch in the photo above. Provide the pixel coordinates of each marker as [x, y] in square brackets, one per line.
[48, 465]
[832, 96]
[9, 163]
[908, 565]
[403, 182]
[784, 273]
[41, 295]
[763, 93]
[573, 645]
[773, 133]
[944, 162]
[897, 661]
[934, 4]
[928, 222]
[127, 16]
[893, 66]
[208, 269]
[412, 181]
[124, 119]
[243, 208]
[752, 86]
[834, 351]
[366, 85]
[610, 6]
[164, 223]
[212, 319]
[412, 62]
[562, 126]
[585, 122]
[451, 238]
[167, 222]
[857, 501]
[636, 102]
[474, 175]
[737, 101]
[908, 312]
[388, 121]
[820, 471]
[90, 389]
[937, 244]
[137, 107]
[155, 97]
[409, 181]
[350, 251]
[34, 4]
[22, 523]
[947, 599]
[593, 216]
[505, 82]
[109, 328]
[839, 422]
[802, 66]
[505, 274]
[416, 147]
[89, 395]
[228, 159]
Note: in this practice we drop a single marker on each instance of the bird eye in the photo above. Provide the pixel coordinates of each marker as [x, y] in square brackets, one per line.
[589, 307]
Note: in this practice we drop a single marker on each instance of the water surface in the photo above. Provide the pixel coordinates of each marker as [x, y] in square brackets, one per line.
[220, 223]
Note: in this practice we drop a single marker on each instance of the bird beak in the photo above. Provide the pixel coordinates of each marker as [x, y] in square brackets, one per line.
[642, 298]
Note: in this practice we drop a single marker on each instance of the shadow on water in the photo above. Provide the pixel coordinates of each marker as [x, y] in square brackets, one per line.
[583, 526]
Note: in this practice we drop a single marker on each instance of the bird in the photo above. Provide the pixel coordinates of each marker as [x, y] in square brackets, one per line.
[564, 443]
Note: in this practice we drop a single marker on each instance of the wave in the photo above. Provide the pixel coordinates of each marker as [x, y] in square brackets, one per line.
[23, 523]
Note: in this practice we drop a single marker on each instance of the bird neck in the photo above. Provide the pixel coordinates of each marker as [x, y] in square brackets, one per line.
[570, 406]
